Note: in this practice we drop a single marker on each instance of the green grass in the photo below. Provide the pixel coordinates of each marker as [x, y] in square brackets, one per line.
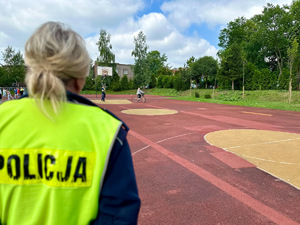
[272, 99]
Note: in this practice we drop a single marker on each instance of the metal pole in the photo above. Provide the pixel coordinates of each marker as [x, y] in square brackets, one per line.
[190, 83]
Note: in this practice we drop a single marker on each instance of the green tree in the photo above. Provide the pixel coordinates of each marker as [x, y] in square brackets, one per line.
[115, 84]
[273, 23]
[261, 79]
[256, 80]
[164, 70]
[14, 68]
[295, 13]
[98, 83]
[167, 81]
[181, 80]
[155, 61]
[295, 31]
[2, 77]
[156, 64]
[235, 32]
[231, 64]
[253, 45]
[131, 85]
[249, 71]
[124, 83]
[159, 82]
[153, 81]
[90, 81]
[142, 76]
[106, 56]
[206, 68]
[188, 73]
[283, 81]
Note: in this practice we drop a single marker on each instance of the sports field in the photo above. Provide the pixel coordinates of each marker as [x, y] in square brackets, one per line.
[203, 163]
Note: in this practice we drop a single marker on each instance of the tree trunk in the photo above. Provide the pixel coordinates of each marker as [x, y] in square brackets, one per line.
[232, 84]
[290, 90]
[279, 62]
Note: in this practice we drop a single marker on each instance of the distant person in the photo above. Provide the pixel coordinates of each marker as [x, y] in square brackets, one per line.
[9, 96]
[4, 95]
[16, 92]
[74, 165]
[21, 91]
[139, 93]
[103, 94]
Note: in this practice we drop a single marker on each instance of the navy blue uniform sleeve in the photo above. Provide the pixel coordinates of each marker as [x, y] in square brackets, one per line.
[119, 201]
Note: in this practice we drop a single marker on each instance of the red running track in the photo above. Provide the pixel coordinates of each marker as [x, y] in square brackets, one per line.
[184, 180]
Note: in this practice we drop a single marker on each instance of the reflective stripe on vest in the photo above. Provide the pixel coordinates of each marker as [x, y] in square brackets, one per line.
[51, 171]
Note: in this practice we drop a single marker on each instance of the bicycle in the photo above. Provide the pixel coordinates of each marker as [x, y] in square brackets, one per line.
[136, 99]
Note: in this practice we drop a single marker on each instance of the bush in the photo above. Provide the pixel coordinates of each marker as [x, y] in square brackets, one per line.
[130, 84]
[207, 96]
[115, 86]
[230, 96]
[165, 82]
[197, 95]
[179, 83]
[159, 82]
[124, 83]
[169, 82]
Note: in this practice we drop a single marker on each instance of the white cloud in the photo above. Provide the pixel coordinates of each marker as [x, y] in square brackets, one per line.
[165, 32]
[161, 36]
[183, 13]
[179, 48]
[18, 19]
[155, 26]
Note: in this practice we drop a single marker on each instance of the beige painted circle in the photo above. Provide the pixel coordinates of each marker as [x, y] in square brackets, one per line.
[150, 112]
[277, 153]
[116, 101]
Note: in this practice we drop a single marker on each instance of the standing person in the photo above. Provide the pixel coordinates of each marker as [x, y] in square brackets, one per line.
[9, 96]
[21, 91]
[4, 95]
[77, 167]
[16, 93]
[103, 94]
[0, 94]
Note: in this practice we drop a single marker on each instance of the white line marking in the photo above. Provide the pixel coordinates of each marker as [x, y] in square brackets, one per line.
[262, 143]
[268, 160]
[162, 141]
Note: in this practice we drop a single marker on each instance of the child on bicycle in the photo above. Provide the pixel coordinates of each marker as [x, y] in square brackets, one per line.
[139, 93]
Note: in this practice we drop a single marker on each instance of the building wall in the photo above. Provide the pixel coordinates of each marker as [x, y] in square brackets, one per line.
[124, 69]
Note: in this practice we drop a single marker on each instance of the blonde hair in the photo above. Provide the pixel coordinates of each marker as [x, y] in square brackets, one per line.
[54, 54]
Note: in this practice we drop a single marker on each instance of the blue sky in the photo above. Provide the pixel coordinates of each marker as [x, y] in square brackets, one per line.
[179, 28]
[151, 6]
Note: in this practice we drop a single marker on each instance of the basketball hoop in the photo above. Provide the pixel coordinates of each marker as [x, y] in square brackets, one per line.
[104, 71]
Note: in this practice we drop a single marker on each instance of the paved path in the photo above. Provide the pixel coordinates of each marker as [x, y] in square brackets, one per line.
[186, 177]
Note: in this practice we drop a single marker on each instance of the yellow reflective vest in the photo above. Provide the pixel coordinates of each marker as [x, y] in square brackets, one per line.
[51, 170]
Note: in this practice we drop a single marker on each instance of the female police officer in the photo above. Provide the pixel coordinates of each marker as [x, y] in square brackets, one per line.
[73, 164]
